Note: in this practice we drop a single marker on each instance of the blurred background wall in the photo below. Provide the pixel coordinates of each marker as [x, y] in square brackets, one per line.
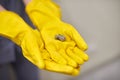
[98, 21]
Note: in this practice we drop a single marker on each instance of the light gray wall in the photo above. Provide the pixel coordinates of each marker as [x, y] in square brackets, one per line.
[98, 21]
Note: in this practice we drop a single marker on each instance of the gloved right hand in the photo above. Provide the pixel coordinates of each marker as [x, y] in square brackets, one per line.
[15, 29]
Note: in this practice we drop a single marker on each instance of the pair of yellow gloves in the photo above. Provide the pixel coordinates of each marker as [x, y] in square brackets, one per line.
[40, 46]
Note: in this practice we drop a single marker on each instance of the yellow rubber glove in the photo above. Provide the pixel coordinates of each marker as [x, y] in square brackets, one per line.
[46, 17]
[15, 29]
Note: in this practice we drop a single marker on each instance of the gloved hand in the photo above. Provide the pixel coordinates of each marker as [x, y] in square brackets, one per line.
[15, 29]
[46, 17]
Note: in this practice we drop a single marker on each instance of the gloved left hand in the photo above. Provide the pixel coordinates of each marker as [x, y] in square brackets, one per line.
[46, 16]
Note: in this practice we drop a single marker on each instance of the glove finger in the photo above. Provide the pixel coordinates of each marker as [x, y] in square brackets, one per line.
[76, 72]
[74, 57]
[78, 38]
[55, 67]
[69, 60]
[56, 56]
[81, 54]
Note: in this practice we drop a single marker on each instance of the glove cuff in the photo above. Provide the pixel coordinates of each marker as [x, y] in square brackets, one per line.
[12, 26]
[42, 12]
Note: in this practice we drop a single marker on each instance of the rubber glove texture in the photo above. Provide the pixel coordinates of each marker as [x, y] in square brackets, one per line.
[15, 29]
[51, 65]
[46, 17]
